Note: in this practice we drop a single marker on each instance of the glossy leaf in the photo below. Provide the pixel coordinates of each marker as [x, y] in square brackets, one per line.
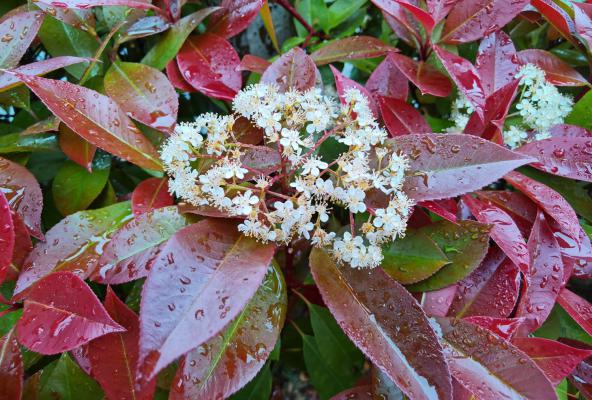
[51, 384]
[490, 367]
[443, 166]
[437, 302]
[423, 75]
[557, 17]
[293, 70]
[228, 361]
[253, 64]
[17, 33]
[557, 71]
[209, 64]
[379, 316]
[234, 17]
[425, 18]
[76, 148]
[578, 308]
[471, 20]
[439, 207]
[343, 83]
[350, 48]
[583, 22]
[505, 328]
[96, 118]
[193, 276]
[357, 393]
[11, 367]
[7, 236]
[401, 118]
[81, 18]
[23, 194]
[135, 246]
[144, 93]
[22, 247]
[151, 194]
[325, 381]
[176, 79]
[62, 313]
[496, 61]
[465, 244]
[388, 80]
[72, 245]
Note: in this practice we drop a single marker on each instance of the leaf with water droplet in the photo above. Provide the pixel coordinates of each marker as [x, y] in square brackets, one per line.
[151, 194]
[578, 308]
[11, 366]
[64, 369]
[401, 118]
[350, 48]
[7, 236]
[13, 43]
[293, 70]
[234, 17]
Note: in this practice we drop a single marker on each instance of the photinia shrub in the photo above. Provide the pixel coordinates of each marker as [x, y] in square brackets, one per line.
[319, 199]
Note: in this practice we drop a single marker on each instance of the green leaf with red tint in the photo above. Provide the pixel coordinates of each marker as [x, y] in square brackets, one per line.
[388, 80]
[423, 75]
[135, 246]
[293, 70]
[465, 244]
[209, 63]
[232, 358]
[234, 17]
[190, 294]
[342, 84]
[490, 367]
[151, 194]
[113, 358]
[473, 19]
[556, 359]
[578, 308]
[401, 118]
[23, 194]
[496, 61]
[74, 244]
[557, 71]
[7, 237]
[16, 33]
[444, 166]
[351, 48]
[379, 316]
[62, 313]
[96, 118]
[76, 147]
[144, 93]
[11, 366]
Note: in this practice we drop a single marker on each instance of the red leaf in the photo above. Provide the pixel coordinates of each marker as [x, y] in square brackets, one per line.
[522, 210]
[558, 18]
[23, 193]
[293, 70]
[466, 77]
[496, 61]
[502, 327]
[556, 359]
[444, 166]
[440, 8]
[544, 279]
[8, 81]
[17, 33]
[504, 231]
[490, 367]
[11, 367]
[438, 208]
[96, 118]
[426, 77]
[564, 156]
[76, 147]
[141, 4]
[190, 294]
[401, 118]
[402, 24]
[22, 247]
[342, 84]
[144, 93]
[235, 16]
[209, 63]
[388, 80]
[113, 358]
[557, 71]
[490, 290]
[578, 308]
[150, 194]
[7, 237]
[62, 313]
[357, 393]
[472, 19]
[425, 18]
[350, 48]
[583, 21]
[548, 200]
[566, 130]
[176, 78]
[253, 64]
[174, 8]
[380, 316]
[437, 302]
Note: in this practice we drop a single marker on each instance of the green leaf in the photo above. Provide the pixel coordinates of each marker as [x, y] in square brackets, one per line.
[17, 143]
[581, 113]
[18, 97]
[413, 258]
[342, 10]
[74, 188]
[64, 380]
[560, 324]
[258, 389]
[464, 244]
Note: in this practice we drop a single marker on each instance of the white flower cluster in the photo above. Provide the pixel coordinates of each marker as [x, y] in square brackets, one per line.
[541, 106]
[203, 160]
[460, 113]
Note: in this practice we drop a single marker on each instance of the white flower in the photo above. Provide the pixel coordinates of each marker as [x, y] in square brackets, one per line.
[243, 203]
[291, 138]
[313, 166]
[514, 136]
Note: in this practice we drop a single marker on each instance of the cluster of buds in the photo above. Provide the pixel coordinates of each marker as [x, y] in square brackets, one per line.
[203, 160]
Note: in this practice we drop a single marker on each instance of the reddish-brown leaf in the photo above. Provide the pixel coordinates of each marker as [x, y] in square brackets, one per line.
[425, 18]
[96, 118]
[556, 359]
[357, 393]
[235, 16]
[557, 17]
[444, 166]
[426, 77]
[190, 294]
[440, 8]
[503, 327]
[557, 71]
[583, 21]
[496, 61]
[84, 4]
[402, 23]
[567, 130]
[564, 156]
[350, 48]
[436, 303]
[401, 118]
[11, 367]
[380, 317]
[520, 207]
[490, 367]
[7, 237]
[579, 308]
[17, 33]
[472, 19]
[253, 63]
[76, 147]
[151, 194]
[144, 93]
[22, 247]
[343, 83]
[23, 194]
[388, 80]
[209, 63]
[442, 209]
[176, 78]
[293, 70]
[113, 357]
[62, 313]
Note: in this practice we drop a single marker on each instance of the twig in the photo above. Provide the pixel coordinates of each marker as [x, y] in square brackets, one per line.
[288, 7]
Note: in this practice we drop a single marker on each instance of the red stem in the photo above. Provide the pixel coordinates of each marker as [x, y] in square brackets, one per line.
[288, 7]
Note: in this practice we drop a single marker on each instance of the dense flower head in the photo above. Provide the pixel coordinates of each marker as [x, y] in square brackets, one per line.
[204, 161]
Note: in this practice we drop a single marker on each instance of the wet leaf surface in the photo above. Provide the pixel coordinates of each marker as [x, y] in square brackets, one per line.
[577, 307]
[293, 70]
[388, 80]
[557, 71]
[16, 33]
[234, 17]
[401, 118]
[151, 194]
[350, 48]
[423, 75]
[7, 237]
[11, 366]
[496, 61]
